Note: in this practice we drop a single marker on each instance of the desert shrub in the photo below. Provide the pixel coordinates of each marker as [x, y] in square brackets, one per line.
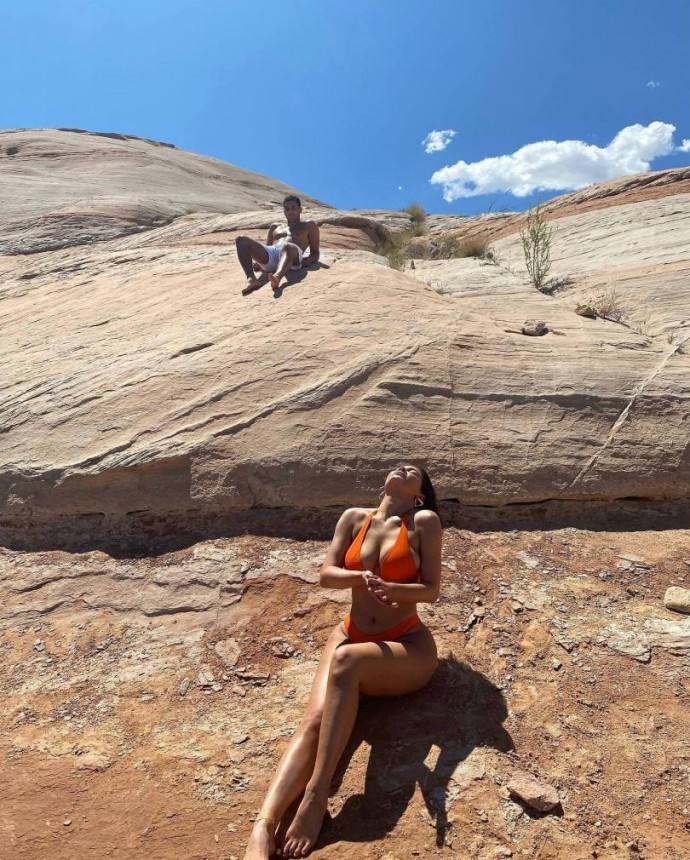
[536, 246]
[608, 306]
[448, 248]
[475, 248]
[395, 246]
[417, 215]
[445, 248]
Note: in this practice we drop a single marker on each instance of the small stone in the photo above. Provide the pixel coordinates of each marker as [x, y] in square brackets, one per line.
[228, 650]
[534, 328]
[184, 686]
[283, 650]
[516, 607]
[205, 677]
[556, 664]
[535, 793]
[67, 822]
[677, 599]
[586, 311]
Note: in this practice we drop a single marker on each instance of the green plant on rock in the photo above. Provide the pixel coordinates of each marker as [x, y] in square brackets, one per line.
[608, 306]
[395, 246]
[417, 215]
[445, 248]
[449, 248]
[475, 248]
[536, 246]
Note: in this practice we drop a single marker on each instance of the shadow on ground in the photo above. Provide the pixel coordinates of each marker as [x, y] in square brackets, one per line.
[149, 533]
[457, 712]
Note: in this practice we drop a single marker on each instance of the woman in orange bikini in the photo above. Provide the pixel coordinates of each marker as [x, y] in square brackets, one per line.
[391, 559]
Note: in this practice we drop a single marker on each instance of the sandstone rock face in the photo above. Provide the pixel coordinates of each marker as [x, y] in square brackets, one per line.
[142, 384]
[62, 188]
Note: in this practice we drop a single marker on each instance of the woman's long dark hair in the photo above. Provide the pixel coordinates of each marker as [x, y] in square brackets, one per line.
[429, 493]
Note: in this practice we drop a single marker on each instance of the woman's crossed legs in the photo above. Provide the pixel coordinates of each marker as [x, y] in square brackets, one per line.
[345, 671]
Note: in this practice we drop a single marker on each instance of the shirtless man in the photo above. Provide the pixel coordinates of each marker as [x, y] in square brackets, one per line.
[284, 248]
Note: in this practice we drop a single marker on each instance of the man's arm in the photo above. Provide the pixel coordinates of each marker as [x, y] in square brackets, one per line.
[271, 231]
[313, 235]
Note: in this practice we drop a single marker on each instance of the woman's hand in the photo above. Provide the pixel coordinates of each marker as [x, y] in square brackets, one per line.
[379, 589]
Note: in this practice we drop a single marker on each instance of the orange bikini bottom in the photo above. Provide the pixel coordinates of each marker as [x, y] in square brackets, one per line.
[354, 634]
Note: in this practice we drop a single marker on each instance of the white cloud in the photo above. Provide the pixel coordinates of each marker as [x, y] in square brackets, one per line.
[685, 146]
[399, 187]
[551, 165]
[437, 141]
[653, 84]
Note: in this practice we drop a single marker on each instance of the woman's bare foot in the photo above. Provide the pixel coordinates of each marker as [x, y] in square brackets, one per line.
[252, 284]
[262, 843]
[302, 834]
[275, 281]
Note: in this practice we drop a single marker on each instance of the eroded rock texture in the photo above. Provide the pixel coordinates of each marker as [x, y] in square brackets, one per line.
[142, 384]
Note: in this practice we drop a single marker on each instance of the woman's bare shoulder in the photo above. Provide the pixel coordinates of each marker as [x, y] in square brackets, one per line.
[350, 520]
[352, 515]
[426, 520]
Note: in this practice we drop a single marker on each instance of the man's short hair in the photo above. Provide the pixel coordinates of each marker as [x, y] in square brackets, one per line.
[292, 198]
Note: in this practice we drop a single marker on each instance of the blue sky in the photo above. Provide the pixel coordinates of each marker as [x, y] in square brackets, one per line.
[336, 96]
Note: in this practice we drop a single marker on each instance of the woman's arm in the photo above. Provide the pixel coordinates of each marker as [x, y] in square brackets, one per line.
[333, 574]
[427, 589]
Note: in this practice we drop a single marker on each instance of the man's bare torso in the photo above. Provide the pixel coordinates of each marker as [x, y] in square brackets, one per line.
[298, 234]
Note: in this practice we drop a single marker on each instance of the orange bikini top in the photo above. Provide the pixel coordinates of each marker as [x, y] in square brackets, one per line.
[398, 564]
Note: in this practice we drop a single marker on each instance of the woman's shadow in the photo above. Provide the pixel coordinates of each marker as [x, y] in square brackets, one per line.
[457, 711]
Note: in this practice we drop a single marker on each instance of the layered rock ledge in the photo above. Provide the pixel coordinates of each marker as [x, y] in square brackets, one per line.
[143, 387]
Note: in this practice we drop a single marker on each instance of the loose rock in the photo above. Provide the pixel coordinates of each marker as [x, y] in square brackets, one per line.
[677, 599]
[535, 793]
[228, 650]
[534, 328]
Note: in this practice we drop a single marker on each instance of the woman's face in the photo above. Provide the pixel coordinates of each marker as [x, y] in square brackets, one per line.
[406, 479]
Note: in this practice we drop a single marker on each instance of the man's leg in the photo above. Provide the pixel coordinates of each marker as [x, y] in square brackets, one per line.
[288, 257]
[249, 251]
